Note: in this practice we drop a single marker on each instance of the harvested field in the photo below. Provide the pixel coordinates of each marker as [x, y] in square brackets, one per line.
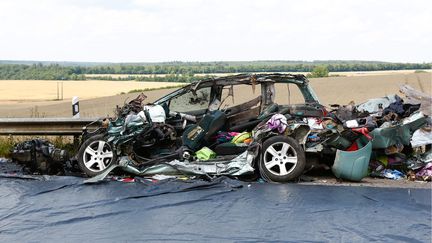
[344, 89]
[44, 90]
[330, 90]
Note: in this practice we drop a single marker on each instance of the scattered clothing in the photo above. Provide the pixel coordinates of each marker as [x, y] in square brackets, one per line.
[241, 137]
[205, 154]
[426, 172]
[224, 137]
[277, 122]
[421, 137]
[392, 174]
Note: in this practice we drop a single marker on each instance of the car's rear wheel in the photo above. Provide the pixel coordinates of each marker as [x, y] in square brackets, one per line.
[96, 155]
[282, 160]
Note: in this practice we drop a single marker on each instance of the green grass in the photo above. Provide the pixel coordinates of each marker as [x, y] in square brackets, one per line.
[6, 144]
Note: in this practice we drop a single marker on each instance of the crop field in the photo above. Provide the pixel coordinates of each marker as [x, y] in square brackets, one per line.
[99, 98]
[45, 90]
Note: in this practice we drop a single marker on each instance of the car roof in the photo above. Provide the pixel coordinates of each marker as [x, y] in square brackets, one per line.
[248, 79]
[252, 79]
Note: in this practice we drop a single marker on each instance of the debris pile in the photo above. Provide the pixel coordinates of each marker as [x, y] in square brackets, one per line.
[399, 132]
[40, 156]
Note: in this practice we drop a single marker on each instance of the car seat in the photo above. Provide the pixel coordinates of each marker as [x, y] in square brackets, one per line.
[200, 134]
[229, 148]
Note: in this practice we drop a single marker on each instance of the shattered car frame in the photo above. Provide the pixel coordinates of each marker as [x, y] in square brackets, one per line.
[196, 112]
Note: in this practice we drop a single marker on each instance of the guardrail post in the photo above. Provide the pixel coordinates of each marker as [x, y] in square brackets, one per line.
[75, 107]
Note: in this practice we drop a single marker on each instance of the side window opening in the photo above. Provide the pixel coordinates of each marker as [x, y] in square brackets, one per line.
[242, 93]
[288, 94]
[191, 101]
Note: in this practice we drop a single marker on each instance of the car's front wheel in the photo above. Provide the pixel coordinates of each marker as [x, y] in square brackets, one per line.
[282, 160]
[96, 155]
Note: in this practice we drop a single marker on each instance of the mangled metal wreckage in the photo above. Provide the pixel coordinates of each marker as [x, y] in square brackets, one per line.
[200, 130]
[166, 136]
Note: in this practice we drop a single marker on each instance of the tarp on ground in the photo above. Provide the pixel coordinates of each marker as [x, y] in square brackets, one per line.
[59, 209]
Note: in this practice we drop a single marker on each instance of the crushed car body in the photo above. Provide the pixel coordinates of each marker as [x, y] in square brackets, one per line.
[197, 116]
[206, 130]
[193, 131]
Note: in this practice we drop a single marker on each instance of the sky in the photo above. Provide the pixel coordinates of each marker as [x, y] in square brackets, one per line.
[215, 30]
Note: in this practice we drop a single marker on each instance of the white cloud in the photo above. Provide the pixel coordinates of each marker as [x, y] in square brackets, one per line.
[150, 30]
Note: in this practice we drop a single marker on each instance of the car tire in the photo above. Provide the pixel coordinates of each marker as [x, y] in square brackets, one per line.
[96, 155]
[282, 159]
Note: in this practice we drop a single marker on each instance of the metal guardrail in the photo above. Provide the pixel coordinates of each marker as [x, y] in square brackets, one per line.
[46, 126]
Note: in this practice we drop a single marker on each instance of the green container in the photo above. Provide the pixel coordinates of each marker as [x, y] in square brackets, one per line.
[353, 165]
[384, 137]
[338, 142]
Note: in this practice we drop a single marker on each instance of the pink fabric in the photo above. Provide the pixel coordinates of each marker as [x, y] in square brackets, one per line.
[278, 122]
[426, 170]
[363, 131]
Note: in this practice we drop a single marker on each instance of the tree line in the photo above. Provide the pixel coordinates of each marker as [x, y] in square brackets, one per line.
[227, 67]
[178, 78]
[185, 72]
[39, 71]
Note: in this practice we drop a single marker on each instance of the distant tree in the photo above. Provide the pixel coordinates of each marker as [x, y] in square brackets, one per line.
[319, 72]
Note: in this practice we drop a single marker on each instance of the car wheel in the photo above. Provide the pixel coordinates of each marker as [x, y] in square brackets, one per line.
[282, 160]
[96, 155]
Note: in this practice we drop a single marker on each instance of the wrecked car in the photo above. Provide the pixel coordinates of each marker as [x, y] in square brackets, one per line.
[233, 126]
[190, 131]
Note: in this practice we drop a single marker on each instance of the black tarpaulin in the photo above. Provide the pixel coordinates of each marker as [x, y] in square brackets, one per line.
[59, 209]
